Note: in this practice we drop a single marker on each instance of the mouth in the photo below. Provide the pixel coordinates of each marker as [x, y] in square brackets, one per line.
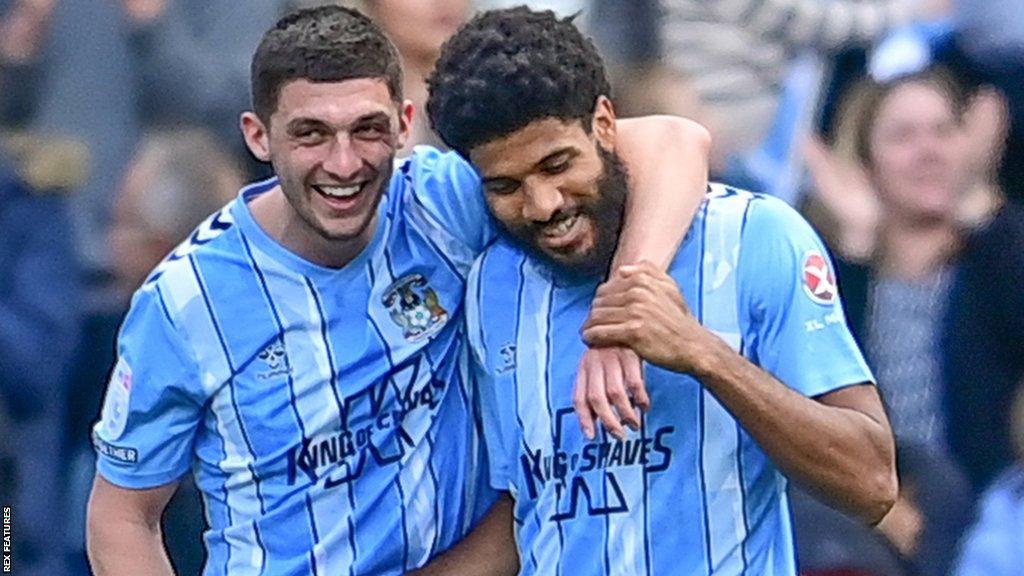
[563, 235]
[341, 197]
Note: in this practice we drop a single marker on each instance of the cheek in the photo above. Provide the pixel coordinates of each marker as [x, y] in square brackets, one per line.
[506, 209]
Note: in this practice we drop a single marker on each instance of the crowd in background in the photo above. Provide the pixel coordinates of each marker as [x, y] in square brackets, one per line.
[895, 125]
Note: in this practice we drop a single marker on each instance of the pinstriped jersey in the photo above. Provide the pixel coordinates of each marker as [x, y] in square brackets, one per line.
[690, 493]
[324, 412]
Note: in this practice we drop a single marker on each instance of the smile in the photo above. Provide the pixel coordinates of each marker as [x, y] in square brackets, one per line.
[563, 234]
[339, 191]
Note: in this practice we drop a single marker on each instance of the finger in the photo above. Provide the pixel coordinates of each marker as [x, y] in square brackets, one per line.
[613, 286]
[598, 401]
[613, 299]
[633, 371]
[606, 316]
[579, 401]
[609, 335]
[615, 389]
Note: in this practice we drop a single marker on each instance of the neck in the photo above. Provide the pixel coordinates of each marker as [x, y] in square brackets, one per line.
[912, 251]
[275, 215]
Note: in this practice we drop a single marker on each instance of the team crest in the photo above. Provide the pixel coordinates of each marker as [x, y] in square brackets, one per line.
[819, 281]
[414, 306]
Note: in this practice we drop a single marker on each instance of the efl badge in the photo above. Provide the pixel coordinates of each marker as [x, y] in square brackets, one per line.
[115, 405]
[819, 281]
[414, 306]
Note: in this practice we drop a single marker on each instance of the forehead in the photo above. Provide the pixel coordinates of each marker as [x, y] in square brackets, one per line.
[524, 148]
[913, 102]
[335, 103]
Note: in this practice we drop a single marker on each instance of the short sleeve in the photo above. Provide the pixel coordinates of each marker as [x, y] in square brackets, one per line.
[496, 404]
[794, 325]
[448, 190]
[153, 402]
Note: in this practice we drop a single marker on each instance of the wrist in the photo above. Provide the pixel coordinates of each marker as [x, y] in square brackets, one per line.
[709, 358]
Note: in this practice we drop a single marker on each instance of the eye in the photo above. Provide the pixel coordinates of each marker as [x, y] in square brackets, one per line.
[501, 187]
[557, 167]
[370, 131]
[309, 136]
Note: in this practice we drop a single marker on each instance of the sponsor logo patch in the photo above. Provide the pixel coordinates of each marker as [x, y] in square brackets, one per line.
[116, 402]
[119, 453]
[818, 279]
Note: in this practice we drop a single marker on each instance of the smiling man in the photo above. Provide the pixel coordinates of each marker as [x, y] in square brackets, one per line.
[760, 382]
[302, 353]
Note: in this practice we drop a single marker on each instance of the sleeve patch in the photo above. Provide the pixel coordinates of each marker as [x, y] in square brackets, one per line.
[116, 403]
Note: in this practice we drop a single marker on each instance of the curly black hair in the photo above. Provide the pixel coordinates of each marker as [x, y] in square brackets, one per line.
[507, 68]
[323, 44]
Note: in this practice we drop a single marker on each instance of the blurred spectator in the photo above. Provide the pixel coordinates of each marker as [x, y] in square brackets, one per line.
[995, 544]
[192, 61]
[988, 49]
[984, 343]
[904, 195]
[176, 179]
[23, 28]
[39, 328]
[419, 28]
[738, 55]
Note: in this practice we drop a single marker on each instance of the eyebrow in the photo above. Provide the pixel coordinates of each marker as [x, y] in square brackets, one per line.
[568, 151]
[305, 122]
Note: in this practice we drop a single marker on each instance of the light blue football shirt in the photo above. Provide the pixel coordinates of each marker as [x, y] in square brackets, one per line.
[690, 493]
[326, 413]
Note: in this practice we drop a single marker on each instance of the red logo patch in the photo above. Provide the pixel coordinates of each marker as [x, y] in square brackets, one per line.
[819, 281]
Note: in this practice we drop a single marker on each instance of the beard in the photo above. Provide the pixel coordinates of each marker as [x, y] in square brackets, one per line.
[606, 215]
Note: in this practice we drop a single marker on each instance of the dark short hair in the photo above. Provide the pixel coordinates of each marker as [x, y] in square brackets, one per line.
[507, 68]
[323, 44]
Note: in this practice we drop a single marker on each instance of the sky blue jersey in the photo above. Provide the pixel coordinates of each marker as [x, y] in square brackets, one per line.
[690, 493]
[326, 413]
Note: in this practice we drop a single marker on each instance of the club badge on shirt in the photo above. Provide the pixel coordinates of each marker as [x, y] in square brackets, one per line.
[415, 307]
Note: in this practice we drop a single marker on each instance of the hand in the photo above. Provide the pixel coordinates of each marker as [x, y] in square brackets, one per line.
[642, 308]
[845, 190]
[607, 378]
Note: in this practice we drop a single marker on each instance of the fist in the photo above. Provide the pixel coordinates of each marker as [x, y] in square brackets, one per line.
[642, 308]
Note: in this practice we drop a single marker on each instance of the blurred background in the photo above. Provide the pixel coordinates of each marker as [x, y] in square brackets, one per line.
[895, 126]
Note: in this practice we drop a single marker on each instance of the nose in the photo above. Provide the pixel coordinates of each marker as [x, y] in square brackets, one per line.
[541, 200]
[342, 160]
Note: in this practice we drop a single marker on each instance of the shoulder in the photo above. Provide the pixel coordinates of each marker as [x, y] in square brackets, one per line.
[431, 166]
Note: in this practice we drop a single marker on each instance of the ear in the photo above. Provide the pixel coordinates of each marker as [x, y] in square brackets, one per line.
[405, 113]
[257, 135]
[603, 123]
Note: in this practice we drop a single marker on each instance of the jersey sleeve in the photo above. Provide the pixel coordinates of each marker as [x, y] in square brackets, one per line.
[496, 404]
[153, 405]
[448, 192]
[794, 325]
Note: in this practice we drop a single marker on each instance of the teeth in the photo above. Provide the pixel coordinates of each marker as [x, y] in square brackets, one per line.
[339, 191]
[562, 227]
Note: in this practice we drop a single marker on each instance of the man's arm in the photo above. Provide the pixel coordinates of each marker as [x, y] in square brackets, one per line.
[839, 444]
[123, 534]
[667, 161]
[490, 550]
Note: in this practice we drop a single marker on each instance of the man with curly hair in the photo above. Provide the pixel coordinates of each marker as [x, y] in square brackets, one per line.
[753, 374]
[302, 352]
